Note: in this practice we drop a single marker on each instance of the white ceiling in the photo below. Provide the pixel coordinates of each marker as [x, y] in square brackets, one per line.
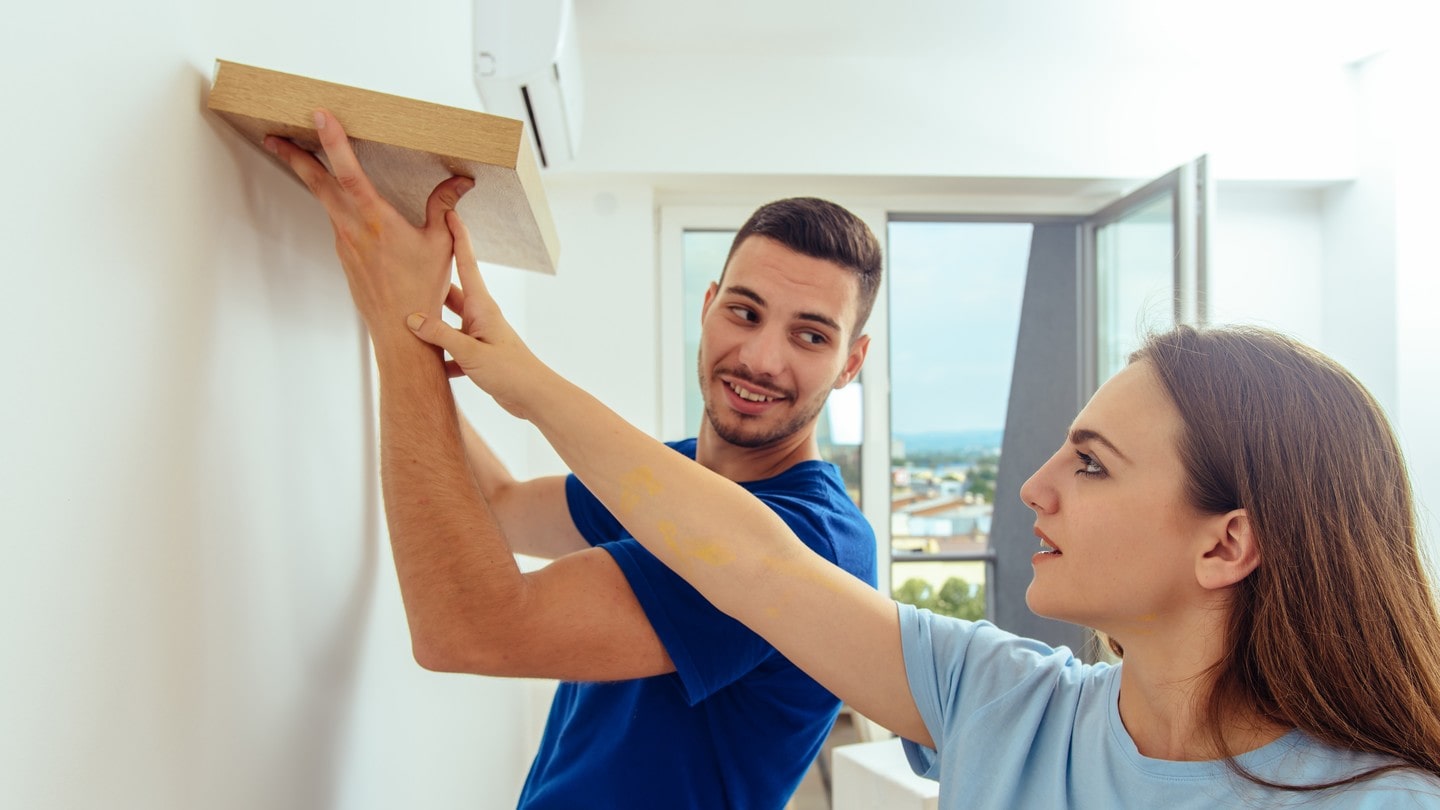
[975, 88]
[1125, 32]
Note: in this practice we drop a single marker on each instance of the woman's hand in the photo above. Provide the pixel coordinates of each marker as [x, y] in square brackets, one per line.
[485, 348]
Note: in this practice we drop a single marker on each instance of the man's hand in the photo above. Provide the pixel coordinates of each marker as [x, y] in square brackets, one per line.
[486, 348]
[393, 267]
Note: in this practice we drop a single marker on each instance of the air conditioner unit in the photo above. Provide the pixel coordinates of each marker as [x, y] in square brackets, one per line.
[527, 66]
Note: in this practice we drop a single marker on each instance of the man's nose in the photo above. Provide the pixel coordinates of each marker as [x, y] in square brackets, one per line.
[763, 352]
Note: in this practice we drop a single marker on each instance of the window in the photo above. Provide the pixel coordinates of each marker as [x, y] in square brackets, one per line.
[1147, 260]
[702, 258]
[1135, 283]
[955, 293]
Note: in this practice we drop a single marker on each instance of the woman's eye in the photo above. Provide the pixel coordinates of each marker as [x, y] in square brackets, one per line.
[1089, 466]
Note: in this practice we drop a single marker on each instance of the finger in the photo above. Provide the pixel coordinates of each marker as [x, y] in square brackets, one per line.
[455, 300]
[348, 174]
[453, 369]
[470, 279]
[309, 169]
[436, 332]
[444, 198]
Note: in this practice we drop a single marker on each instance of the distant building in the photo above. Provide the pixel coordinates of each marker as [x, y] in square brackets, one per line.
[948, 522]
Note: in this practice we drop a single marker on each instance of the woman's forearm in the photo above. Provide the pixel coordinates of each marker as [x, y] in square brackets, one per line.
[703, 526]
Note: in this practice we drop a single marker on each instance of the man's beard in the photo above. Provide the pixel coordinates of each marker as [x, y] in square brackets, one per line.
[736, 434]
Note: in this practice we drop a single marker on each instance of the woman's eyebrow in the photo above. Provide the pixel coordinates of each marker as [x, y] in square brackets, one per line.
[1083, 435]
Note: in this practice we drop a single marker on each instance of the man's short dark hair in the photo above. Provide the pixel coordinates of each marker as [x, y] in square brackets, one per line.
[821, 230]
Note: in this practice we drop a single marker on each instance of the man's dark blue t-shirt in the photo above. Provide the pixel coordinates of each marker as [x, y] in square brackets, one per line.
[736, 725]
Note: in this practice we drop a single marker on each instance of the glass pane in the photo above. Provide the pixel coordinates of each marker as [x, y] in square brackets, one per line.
[1135, 281]
[841, 431]
[955, 295]
[840, 428]
[702, 259]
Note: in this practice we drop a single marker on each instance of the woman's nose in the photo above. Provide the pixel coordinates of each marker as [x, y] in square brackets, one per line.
[1038, 493]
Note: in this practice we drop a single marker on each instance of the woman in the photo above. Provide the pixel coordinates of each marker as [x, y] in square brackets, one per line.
[1231, 511]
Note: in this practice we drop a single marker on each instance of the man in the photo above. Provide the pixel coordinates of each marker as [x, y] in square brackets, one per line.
[665, 702]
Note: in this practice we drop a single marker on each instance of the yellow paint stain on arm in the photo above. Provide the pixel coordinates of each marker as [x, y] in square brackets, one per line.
[807, 566]
[641, 484]
[635, 486]
[700, 549]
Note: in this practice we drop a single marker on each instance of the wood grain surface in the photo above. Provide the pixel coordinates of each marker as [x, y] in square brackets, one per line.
[407, 147]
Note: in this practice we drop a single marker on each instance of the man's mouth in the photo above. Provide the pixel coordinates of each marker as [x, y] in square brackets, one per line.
[748, 395]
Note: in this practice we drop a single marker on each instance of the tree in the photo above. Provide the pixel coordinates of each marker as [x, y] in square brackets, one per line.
[915, 591]
[960, 599]
[956, 597]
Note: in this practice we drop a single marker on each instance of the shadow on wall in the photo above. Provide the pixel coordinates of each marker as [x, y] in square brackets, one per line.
[269, 493]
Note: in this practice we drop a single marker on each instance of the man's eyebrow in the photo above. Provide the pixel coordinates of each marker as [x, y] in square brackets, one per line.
[820, 318]
[1083, 435]
[746, 292]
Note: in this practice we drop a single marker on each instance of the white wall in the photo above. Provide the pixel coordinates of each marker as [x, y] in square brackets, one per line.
[1268, 248]
[197, 603]
[963, 115]
[595, 320]
[1416, 125]
[1378, 276]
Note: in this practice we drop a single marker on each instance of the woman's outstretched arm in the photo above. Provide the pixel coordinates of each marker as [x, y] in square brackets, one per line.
[706, 528]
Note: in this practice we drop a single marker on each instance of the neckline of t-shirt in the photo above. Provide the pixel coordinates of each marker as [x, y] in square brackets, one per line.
[800, 468]
[1184, 769]
[687, 446]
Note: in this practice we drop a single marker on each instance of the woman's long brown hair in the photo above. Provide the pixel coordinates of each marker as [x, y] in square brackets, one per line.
[1336, 631]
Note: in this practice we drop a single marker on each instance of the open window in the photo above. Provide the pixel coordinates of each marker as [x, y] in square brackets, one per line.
[1008, 323]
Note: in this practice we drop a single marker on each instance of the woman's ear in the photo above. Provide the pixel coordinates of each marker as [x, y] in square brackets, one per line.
[1231, 554]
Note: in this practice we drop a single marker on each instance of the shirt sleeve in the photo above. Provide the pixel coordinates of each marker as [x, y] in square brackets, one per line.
[921, 668]
[710, 650]
[590, 516]
[960, 670]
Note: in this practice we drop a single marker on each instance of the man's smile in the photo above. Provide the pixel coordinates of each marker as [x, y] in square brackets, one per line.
[747, 394]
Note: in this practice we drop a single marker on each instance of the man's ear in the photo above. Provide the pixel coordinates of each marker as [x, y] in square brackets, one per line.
[1232, 552]
[853, 361]
[709, 296]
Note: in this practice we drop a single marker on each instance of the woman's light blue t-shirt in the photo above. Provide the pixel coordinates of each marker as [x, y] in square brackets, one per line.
[1018, 724]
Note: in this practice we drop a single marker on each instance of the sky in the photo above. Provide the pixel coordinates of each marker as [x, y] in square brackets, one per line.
[955, 294]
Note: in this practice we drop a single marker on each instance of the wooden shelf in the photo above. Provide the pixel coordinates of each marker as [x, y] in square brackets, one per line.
[407, 147]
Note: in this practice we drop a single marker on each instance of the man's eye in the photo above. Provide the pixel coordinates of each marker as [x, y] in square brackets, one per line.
[813, 338]
[743, 313]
